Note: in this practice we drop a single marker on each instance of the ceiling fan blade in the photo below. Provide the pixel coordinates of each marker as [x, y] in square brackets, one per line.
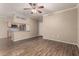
[39, 11]
[41, 7]
[31, 12]
[30, 4]
[33, 5]
[27, 8]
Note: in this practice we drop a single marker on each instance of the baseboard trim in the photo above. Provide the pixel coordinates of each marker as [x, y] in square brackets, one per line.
[61, 41]
[26, 39]
[4, 38]
[23, 40]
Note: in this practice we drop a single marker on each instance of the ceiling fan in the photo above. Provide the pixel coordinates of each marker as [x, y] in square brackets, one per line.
[35, 8]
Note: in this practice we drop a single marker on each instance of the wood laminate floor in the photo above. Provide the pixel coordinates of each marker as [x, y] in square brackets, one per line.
[40, 47]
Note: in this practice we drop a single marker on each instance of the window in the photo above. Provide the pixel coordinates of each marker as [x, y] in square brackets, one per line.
[22, 27]
[18, 27]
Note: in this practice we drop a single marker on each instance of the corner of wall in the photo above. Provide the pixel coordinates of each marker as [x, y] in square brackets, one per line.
[77, 25]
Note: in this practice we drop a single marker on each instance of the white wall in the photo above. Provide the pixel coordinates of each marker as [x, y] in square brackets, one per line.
[61, 26]
[3, 33]
[78, 25]
[3, 28]
[40, 28]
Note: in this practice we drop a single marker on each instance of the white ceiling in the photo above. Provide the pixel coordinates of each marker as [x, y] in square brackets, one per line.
[11, 8]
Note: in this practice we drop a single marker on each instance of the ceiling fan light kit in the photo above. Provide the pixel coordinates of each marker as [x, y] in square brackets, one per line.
[34, 10]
